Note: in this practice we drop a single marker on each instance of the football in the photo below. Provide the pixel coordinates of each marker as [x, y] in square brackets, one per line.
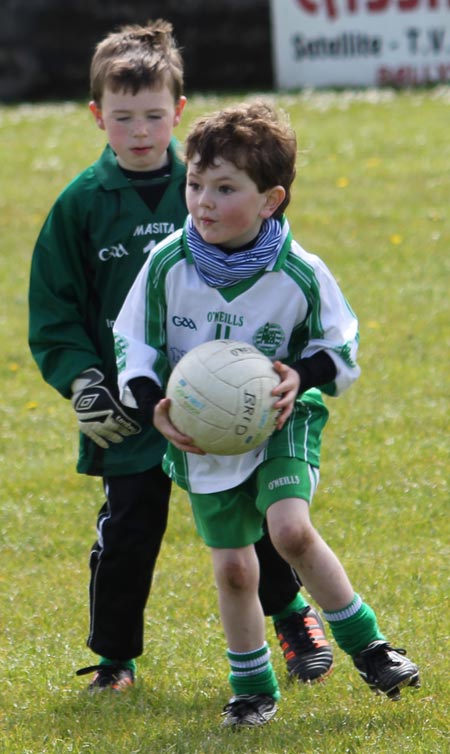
[220, 396]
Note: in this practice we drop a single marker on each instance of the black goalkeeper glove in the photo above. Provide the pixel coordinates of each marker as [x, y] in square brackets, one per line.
[99, 416]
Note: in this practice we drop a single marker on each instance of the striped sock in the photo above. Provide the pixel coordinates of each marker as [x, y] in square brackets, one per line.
[252, 672]
[354, 627]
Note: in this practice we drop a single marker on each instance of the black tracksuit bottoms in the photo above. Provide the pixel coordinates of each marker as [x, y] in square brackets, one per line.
[130, 529]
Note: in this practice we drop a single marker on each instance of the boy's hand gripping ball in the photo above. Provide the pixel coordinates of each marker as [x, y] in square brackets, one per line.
[220, 396]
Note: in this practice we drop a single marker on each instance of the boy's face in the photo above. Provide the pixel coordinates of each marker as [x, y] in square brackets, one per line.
[139, 126]
[226, 207]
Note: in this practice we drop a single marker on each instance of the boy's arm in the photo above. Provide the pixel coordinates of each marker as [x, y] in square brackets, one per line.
[147, 394]
[58, 303]
[59, 312]
[315, 371]
[333, 332]
[139, 337]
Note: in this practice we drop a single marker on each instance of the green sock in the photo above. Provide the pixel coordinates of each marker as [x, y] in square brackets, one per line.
[297, 604]
[130, 664]
[354, 627]
[252, 672]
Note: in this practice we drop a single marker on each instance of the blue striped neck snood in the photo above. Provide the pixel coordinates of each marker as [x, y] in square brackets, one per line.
[219, 269]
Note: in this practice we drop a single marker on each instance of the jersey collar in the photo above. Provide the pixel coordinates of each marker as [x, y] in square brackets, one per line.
[285, 243]
[111, 177]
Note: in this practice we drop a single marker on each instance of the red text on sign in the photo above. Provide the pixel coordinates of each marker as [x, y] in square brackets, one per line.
[335, 8]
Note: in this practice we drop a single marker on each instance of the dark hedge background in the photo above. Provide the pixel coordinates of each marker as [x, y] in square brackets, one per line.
[46, 45]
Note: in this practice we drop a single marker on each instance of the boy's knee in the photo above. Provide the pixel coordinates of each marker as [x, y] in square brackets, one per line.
[292, 541]
[237, 574]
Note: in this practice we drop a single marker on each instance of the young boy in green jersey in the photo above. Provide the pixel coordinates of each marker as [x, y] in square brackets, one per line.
[236, 255]
[94, 241]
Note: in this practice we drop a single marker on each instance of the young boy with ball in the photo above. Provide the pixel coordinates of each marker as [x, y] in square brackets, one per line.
[235, 261]
[93, 243]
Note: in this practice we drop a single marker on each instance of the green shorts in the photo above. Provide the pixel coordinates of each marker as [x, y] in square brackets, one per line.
[234, 518]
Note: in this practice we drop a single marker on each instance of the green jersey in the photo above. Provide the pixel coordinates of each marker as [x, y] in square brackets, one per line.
[93, 243]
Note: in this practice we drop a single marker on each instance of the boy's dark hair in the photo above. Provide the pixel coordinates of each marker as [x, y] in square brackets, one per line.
[255, 138]
[135, 57]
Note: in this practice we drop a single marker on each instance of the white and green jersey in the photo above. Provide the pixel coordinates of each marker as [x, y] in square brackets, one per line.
[291, 310]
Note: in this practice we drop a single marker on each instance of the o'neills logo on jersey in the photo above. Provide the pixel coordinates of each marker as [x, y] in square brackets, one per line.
[282, 481]
[268, 338]
[226, 318]
[154, 229]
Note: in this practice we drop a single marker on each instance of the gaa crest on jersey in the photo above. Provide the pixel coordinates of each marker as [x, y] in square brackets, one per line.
[268, 338]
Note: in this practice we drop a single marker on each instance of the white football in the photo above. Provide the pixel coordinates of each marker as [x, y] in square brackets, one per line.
[220, 396]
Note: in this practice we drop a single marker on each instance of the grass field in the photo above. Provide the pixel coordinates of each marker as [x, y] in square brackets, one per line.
[372, 199]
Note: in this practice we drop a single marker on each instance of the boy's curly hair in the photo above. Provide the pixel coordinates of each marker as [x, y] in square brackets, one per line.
[135, 57]
[254, 137]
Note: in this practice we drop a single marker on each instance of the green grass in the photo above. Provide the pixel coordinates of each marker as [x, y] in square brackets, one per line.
[371, 199]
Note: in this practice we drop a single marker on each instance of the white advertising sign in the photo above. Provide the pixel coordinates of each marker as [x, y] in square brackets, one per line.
[319, 43]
